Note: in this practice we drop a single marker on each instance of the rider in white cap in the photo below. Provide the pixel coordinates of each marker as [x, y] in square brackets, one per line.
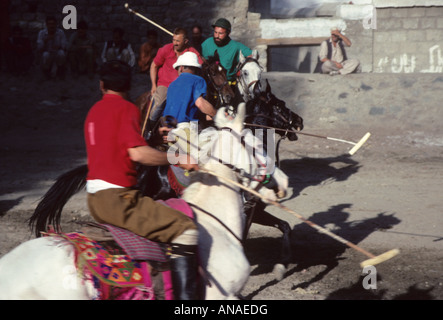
[185, 100]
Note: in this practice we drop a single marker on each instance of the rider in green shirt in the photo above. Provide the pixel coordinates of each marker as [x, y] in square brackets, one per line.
[228, 49]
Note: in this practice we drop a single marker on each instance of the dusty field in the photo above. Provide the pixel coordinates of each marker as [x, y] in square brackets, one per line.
[388, 195]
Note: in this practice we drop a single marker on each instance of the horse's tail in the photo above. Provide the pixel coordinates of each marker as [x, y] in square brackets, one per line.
[50, 207]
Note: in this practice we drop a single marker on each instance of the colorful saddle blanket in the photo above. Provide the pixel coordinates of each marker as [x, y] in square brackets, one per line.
[133, 270]
[115, 275]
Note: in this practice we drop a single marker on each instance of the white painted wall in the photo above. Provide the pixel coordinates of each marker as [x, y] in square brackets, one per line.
[304, 27]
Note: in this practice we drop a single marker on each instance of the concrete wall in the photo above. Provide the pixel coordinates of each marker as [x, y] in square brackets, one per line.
[409, 40]
[387, 36]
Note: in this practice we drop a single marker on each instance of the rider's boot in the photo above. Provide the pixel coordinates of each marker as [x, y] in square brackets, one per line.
[184, 275]
[184, 268]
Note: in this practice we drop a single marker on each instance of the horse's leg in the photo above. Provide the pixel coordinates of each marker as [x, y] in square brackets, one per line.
[264, 218]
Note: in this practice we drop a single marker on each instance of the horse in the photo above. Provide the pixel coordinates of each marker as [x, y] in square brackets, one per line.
[266, 111]
[219, 92]
[45, 267]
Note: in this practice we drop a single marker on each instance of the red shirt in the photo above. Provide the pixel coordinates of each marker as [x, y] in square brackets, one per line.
[112, 126]
[165, 59]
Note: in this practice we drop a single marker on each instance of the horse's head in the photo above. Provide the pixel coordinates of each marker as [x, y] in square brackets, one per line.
[248, 75]
[282, 117]
[218, 84]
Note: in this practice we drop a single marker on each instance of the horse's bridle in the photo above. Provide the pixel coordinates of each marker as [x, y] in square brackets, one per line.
[261, 115]
[286, 130]
[252, 177]
[239, 74]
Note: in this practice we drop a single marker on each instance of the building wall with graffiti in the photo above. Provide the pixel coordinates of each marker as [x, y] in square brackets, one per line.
[409, 40]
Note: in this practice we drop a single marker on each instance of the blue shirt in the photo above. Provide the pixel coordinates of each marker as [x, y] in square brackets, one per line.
[181, 97]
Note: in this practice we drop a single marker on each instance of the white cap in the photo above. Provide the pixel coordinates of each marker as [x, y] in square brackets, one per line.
[189, 59]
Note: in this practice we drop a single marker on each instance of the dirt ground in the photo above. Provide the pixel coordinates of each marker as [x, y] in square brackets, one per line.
[388, 195]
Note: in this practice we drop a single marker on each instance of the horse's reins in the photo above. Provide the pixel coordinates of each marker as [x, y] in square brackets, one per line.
[235, 169]
[240, 171]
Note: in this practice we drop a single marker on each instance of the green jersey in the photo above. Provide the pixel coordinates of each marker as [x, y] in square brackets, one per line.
[228, 54]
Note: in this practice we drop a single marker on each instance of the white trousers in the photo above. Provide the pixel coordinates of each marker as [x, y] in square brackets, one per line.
[349, 66]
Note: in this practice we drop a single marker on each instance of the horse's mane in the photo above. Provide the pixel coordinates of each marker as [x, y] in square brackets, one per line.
[212, 59]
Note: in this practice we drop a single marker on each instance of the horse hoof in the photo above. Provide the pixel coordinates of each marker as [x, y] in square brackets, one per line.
[279, 271]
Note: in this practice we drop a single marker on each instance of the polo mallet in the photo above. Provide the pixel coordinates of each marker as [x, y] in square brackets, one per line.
[146, 19]
[148, 112]
[373, 259]
[357, 145]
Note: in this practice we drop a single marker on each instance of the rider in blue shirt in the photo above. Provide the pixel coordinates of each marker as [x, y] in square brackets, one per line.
[185, 99]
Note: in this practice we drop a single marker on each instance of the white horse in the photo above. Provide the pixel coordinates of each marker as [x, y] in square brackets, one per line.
[44, 268]
[248, 75]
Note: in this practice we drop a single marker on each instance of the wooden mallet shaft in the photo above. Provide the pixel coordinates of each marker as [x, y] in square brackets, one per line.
[148, 112]
[146, 19]
[373, 260]
[357, 145]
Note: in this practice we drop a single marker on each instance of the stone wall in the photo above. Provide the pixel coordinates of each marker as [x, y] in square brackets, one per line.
[103, 15]
[406, 35]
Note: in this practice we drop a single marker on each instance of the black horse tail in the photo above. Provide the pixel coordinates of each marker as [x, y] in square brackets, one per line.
[50, 207]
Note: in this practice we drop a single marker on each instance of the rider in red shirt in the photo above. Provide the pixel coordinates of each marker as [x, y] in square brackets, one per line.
[114, 145]
[163, 72]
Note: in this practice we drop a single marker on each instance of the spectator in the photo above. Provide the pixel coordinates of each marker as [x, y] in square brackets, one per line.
[118, 49]
[333, 56]
[197, 38]
[148, 51]
[82, 51]
[52, 45]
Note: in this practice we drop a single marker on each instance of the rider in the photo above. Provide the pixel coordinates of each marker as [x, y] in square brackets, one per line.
[228, 49]
[162, 71]
[114, 145]
[185, 99]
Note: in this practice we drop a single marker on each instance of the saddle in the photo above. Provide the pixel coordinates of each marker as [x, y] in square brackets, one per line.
[122, 265]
